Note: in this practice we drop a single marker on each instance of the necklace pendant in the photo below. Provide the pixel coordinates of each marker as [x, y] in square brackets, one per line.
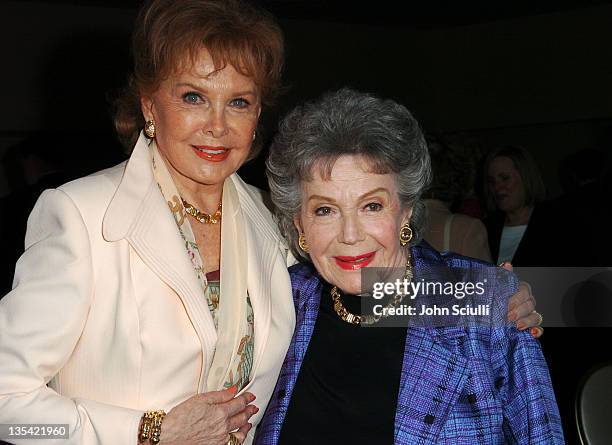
[352, 318]
[202, 217]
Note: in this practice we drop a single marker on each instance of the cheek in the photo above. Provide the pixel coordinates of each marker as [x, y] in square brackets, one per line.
[387, 234]
[516, 186]
[244, 128]
[174, 122]
[319, 236]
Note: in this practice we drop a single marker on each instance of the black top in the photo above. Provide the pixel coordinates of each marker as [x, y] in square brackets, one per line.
[346, 391]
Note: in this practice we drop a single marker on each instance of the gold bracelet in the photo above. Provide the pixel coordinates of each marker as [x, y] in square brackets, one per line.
[150, 428]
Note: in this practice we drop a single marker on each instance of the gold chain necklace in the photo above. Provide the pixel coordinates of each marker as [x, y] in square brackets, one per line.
[203, 217]
[355, 319]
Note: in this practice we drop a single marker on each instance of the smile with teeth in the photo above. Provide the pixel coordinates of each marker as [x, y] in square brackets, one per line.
[354, 262]
[212, 154]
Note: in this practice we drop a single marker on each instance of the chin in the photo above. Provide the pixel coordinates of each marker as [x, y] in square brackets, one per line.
[350, 288]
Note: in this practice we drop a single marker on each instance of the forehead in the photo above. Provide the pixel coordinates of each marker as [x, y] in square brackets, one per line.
[200, 68]
[350, 175]
[501, 164]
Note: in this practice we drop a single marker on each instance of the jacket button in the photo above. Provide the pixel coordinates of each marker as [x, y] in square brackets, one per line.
[429, 419]
[471, 398]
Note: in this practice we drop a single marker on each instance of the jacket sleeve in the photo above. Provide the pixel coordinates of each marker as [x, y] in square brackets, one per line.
[41, 321]
[523, 383]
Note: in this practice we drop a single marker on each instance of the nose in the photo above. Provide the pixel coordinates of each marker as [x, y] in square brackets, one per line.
[216, 122]
[351, 232]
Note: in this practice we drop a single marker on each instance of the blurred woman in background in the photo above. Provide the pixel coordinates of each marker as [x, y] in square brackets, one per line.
[513, 187]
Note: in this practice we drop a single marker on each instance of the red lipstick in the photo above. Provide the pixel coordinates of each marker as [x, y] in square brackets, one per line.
[354, 262]
[210, 153]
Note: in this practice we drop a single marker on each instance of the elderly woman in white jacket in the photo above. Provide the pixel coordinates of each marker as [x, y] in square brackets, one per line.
[156, 292]
[153, 303]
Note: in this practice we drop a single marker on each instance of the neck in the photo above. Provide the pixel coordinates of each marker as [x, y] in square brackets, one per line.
[518, 217]
[205, 197]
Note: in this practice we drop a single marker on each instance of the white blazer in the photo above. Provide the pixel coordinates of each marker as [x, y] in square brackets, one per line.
[106, 308]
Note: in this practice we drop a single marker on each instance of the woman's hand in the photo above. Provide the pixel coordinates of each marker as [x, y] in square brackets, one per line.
[521, 308]
[209, 418]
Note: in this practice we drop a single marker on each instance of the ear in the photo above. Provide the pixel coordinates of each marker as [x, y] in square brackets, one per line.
[297, 223]
[146, 106]
[406, 215]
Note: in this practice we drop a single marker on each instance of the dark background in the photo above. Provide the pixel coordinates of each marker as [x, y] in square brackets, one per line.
[480, 74]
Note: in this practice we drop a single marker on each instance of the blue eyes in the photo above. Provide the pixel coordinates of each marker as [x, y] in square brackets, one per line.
[192, 98]
[240, 103]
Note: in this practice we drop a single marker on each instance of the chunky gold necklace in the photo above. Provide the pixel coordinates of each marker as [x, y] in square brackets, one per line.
[203, 217]
[355, 319]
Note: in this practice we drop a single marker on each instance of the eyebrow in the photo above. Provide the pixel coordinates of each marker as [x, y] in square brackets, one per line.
[199, 88]
[365, 195]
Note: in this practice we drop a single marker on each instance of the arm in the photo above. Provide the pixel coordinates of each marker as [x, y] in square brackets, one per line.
[41, 321]
[521, 308]
[523, 383]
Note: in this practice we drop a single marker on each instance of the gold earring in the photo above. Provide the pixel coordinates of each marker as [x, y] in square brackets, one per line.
[302, 242]
[149, 129]
[405, 234]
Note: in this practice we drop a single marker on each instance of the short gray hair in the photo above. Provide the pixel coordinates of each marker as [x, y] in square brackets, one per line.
[347, 122]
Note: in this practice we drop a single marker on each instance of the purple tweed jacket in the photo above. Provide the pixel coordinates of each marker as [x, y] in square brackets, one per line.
[459, 385]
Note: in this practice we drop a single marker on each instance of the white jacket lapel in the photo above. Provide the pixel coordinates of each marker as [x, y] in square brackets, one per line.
[139, 214]
[266, 266]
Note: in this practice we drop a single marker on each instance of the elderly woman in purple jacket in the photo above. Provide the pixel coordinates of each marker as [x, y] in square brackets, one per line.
[346, 175]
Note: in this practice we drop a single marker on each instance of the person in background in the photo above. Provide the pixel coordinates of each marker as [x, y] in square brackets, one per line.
[444, 230]
[513, 189]
[346, 174]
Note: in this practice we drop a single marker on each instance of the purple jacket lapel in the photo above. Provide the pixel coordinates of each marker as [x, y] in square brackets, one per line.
[432, 376]
[432, 380]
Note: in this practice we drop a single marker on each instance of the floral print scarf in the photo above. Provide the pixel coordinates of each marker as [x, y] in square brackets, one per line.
[241, 358]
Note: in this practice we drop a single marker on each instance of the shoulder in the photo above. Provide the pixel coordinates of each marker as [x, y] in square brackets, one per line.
[85, 199]
[426, 256]
[303, 274]
[95, 189]
[258, 207]
[302, 271]
[495, 284]
[467, 223]
[258, 196]
[305, 282]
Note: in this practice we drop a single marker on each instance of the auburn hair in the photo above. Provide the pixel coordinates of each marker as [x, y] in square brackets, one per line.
[168, 36]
